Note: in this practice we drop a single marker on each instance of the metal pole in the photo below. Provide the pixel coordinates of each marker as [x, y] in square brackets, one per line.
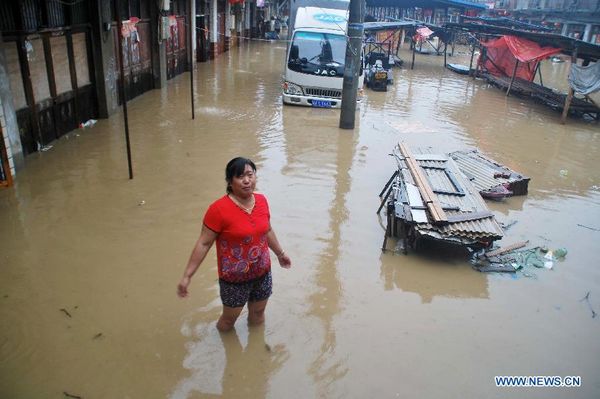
[352, 63]
[192, 58]
[117, 5]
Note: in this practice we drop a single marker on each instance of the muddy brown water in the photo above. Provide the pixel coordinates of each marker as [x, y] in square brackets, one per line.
[347, 321]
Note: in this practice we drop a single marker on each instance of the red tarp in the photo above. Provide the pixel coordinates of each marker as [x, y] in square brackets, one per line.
[422, 34]
[503, 53]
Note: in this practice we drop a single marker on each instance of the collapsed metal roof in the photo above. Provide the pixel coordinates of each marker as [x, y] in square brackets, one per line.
[468, 221]
[489, 176]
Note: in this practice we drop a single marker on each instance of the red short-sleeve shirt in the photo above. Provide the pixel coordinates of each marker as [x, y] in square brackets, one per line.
[242, 248]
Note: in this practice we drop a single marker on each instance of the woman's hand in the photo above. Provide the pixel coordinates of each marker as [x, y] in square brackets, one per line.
[182, 290]
[284, 260]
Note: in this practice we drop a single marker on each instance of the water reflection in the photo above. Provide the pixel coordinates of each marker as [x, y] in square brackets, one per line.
[320, 156]
[236, 364]
[443, 274]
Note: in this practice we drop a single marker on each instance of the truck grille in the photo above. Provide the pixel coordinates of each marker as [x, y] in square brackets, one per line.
[316, 92]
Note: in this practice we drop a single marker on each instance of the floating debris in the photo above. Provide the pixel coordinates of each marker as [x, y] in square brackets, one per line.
[492, 179]
[506, 226]
[588, 227]
[586, 298]
[65, 311]
[99, 335]
[69, 395]
[429, 198]
[512, 258]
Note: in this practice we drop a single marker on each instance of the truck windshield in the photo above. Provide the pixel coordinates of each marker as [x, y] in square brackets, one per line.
[318, 54]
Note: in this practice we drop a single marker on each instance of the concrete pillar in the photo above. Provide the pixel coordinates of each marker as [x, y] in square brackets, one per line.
[8, 118]
[159, 48]
[214, 29]
[239, 25]
[587, 33]
[254, 29]
[227, 25]
[194, 30]
[105, 61]
[247, 19]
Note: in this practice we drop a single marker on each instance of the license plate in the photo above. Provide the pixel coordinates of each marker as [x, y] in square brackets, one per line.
[321, 104]
[380, 75]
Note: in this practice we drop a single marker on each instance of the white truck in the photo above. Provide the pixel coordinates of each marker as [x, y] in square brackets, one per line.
[315, 57]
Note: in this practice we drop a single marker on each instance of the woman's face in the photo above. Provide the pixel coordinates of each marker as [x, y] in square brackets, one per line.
[243, 186]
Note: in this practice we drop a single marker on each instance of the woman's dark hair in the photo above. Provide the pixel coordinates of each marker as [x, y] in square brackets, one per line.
[235, 168]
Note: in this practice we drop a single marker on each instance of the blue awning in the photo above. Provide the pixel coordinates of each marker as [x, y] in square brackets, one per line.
[375, 26]
[463, 4]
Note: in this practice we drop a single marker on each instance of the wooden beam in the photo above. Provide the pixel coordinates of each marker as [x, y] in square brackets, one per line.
[412, 65]
[512, 79]
[506, 249]
[471, 62]
[429, 198]
[73, 73]
[28, 86]
[565, 113]
[51, 79]
[563, 118]
[445, 53]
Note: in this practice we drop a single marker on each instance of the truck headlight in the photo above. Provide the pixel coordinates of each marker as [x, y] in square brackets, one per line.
[293, 89]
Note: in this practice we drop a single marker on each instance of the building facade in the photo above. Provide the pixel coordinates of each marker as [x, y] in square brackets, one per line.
[60, 64]
[579, 19]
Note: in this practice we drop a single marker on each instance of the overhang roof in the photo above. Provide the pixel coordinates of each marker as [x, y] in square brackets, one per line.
[585, 50]
[426, 4]
[375, 26]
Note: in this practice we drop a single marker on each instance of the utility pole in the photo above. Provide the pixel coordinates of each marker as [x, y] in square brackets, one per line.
[352, 63]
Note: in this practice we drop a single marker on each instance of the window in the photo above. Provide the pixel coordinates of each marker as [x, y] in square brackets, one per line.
[318, 53]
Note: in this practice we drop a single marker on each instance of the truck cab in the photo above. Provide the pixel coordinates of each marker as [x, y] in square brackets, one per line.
[315, 58]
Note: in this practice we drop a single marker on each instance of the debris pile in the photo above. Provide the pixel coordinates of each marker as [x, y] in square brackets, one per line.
[516, 257]
[429, 198]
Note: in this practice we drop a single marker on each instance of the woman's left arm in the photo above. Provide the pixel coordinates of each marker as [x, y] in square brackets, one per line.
[284, 260]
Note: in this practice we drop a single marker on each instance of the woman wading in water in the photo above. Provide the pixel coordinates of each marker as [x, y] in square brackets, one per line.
[240, 223]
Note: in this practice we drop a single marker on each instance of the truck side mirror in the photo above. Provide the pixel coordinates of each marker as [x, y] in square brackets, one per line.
[294, 52]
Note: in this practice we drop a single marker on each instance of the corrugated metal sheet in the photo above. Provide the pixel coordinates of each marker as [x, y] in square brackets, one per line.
[458, 197]
[486, 174]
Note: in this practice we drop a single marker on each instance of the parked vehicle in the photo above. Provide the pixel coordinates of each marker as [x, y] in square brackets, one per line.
[316, 53]
[378, 73]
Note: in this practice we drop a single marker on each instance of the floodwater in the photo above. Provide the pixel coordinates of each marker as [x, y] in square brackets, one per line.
[90, 260]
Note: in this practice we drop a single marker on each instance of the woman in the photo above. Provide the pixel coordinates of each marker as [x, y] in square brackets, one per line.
[240, 223]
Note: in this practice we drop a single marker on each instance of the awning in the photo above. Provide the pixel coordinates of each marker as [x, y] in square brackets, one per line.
[423, 33]
[502, 54]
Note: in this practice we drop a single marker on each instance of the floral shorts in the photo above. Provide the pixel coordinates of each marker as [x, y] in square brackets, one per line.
[235, 295]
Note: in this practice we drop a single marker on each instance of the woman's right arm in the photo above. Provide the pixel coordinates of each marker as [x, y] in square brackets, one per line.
[205, 241]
